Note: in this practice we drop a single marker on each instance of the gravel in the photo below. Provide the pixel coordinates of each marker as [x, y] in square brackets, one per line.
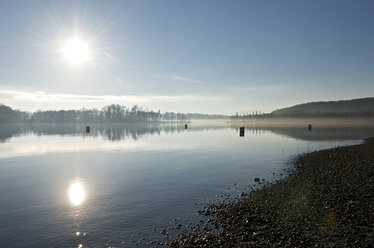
[327, 201]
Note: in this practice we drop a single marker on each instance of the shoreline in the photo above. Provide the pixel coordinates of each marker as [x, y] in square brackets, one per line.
[327, 200]
[304, 122]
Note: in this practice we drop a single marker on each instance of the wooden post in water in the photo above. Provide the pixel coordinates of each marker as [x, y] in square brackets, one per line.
[241, 132]
[185, 126]
[310, 127]
[87, 129]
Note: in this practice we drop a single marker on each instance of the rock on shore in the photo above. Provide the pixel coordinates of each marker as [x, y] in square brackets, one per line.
[328, 201]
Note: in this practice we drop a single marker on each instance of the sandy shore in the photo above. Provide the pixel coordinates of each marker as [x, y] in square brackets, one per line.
[327, 201]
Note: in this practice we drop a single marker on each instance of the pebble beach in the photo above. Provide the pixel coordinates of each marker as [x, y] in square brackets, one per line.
[327, 200]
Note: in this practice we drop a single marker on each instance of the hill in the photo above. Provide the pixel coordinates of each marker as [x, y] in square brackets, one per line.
[355, 107]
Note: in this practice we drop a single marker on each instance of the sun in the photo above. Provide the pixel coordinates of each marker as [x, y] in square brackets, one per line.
[76, 51]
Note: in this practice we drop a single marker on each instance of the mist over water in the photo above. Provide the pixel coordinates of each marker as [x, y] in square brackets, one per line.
[63, 187]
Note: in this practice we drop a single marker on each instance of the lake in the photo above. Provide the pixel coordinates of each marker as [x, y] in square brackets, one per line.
[114, 186]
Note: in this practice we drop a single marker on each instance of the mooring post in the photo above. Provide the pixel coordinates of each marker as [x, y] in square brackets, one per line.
[241, 134]
[87, 129]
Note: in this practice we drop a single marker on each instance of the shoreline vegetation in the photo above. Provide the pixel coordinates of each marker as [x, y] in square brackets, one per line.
[327, 200]
[355, 110]
[111, 114]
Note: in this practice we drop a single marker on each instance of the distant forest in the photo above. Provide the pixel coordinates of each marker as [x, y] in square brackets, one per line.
[356, 108]
[108, 114]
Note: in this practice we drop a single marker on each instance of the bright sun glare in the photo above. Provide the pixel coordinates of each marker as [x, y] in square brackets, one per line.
[76, 51]
[76, 193]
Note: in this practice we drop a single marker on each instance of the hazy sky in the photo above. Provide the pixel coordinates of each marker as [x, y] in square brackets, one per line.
[186, 56]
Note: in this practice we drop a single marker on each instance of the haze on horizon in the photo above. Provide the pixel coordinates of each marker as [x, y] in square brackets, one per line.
[192, 56]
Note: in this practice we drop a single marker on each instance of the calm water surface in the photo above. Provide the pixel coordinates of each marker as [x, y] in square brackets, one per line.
[61, 187]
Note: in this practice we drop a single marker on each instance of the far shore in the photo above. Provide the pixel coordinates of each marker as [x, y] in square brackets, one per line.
[327, 200]
[316, 122]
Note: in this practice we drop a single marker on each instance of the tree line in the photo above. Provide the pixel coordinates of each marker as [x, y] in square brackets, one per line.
[113, 113]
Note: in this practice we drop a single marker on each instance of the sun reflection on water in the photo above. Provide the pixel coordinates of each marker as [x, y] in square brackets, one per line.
[76, 193]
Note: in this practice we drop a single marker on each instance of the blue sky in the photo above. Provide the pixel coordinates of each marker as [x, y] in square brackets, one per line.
[186, 56]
